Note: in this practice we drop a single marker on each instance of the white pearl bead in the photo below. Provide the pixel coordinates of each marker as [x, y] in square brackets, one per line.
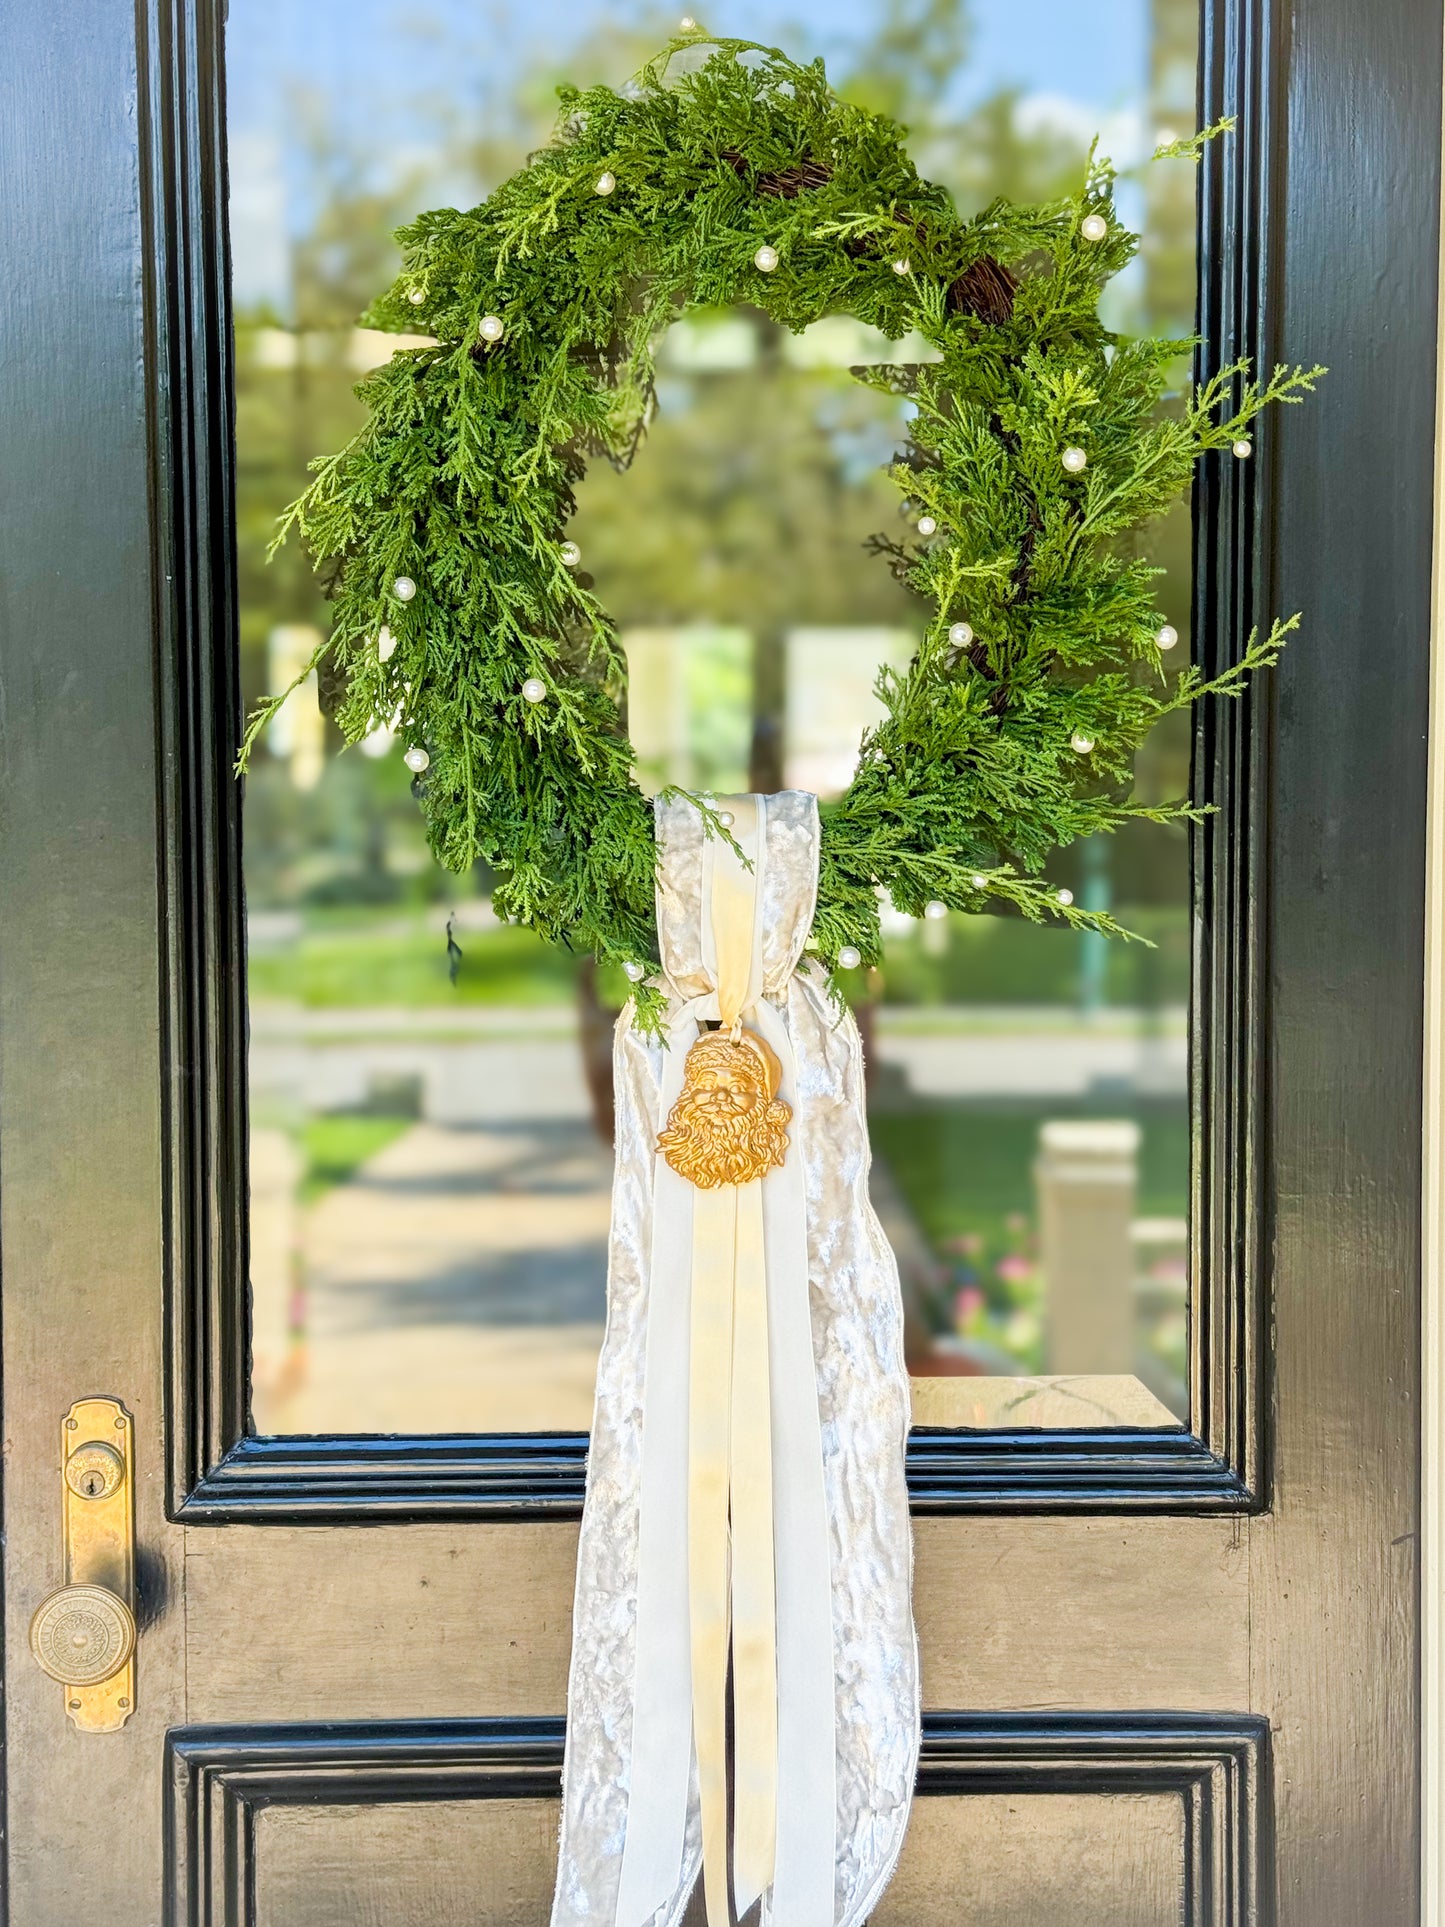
[1074, 460]
[765, 260]
[570, 554]
[902, 265]
[534, 689]
[491, 327]
[687, 23]
[403, 588]
[1065, 897]
[416, 758]
[385, 643]
[1080, 743]
[605, 184]
[634, 971]
[1093, 227]
[1167, 636]
[926, 525]
[416, 297]
[1243, 448]
[726, 818]
[849, 958]
[960, 634]
[935, 911]
[979, 883]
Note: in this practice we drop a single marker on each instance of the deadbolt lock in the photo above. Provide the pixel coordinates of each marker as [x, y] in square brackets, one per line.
[83, 1634]
[94, 1470]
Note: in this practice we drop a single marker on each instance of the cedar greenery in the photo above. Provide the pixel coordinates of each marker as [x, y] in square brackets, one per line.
[463, 479]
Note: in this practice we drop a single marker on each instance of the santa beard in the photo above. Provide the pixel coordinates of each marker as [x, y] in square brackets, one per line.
[714, 1137]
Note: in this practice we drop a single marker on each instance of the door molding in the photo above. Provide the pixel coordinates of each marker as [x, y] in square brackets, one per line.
[219, 1778]
[1432, 1296]
[216, 1472]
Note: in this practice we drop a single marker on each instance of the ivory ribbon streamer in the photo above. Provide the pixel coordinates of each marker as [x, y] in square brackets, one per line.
[730, 1469]
[734, 1280]
[745, 1480]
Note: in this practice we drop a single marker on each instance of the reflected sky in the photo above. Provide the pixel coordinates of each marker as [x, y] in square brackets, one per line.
[402, 66]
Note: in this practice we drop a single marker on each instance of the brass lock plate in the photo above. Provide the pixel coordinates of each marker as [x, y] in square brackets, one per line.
[98, 1519]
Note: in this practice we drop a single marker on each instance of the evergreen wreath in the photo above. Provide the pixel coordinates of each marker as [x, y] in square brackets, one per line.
[462, 618]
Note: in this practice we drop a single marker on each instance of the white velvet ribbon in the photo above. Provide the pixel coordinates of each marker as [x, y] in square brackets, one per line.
[733, 1546]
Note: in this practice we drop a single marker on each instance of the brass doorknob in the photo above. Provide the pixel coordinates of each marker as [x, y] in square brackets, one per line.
[82, 1635]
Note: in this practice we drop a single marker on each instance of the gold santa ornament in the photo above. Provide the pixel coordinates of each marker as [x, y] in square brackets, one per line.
[728, 1125]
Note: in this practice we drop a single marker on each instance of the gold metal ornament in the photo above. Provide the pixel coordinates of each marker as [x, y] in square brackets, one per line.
[728, 1125]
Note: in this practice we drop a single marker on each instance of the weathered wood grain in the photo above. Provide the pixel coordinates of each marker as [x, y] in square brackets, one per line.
[1113, 1612]
[431, 1621]
[397, 1622]
[1040, 1860]
[988, 1860]
[447, 1861]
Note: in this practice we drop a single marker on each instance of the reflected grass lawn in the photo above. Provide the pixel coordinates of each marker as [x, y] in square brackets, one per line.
[971, 1170]
[354, 958]
[344, 961]
[336, 1143]
[1004, 960]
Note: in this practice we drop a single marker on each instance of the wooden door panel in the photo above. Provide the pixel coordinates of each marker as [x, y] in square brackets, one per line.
[1083, 1612]
[986, 1860]
[415, 1622]
[425, 1621]
[406, 1865]
[1029, 1820]
[1040, 1860]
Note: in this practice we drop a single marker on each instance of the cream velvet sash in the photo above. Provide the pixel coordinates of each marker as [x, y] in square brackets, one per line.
[745, 1488]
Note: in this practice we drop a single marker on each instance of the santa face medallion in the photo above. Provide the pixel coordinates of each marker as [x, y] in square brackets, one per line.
[728, 1125]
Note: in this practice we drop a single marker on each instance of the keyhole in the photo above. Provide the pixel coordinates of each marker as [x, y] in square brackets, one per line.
[95, 1471]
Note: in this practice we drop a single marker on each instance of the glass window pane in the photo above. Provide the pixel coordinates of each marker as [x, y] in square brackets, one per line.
[430, 1154]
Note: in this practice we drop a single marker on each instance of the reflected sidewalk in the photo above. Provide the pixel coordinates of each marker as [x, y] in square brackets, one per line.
[454, 1284]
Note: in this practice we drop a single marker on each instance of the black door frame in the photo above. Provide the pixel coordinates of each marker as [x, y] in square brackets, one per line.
[218, 1472]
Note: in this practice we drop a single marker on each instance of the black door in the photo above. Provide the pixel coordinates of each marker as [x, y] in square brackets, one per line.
[1170, 1658]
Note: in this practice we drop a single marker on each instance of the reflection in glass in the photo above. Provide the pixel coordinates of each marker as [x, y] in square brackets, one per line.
[431, 1106]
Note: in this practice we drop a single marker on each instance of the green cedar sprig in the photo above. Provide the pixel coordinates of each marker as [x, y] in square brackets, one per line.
[463, 479]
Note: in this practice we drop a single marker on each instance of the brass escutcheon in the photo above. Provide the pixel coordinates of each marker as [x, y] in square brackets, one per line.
[83, 1634]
